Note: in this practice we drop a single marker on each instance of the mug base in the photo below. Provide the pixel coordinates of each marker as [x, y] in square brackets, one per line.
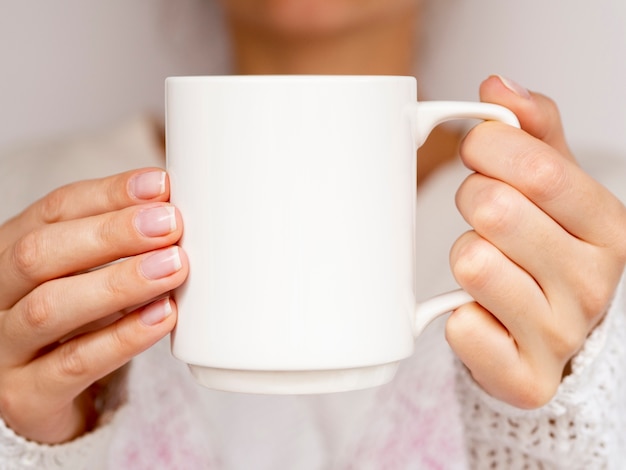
[294, 382]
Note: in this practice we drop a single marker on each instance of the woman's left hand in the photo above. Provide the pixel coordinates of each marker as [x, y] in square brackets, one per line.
[547, 250]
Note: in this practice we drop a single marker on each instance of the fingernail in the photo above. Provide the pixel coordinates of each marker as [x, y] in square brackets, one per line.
[156, 221]
[162, 263]
[156, 312]
[148, 185]
[515, 87]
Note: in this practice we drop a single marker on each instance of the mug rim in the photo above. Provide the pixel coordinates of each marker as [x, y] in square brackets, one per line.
[290, 78]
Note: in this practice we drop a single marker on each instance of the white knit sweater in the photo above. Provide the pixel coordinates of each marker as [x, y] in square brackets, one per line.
[419, 420]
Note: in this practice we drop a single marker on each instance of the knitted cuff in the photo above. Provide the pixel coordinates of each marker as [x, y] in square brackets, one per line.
[578, 428]
[86, 452]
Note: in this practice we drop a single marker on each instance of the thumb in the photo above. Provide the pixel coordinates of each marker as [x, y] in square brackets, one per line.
[538, 114]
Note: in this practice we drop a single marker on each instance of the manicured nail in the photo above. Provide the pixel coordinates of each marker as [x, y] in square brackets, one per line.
[162, 263]
[148, 185]
[156, 312]
[515, 87]
[156, 221]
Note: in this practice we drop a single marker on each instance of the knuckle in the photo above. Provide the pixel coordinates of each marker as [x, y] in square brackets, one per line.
[474, 137]
[459, 324]
[7, 397]
[72, 362]
[548, 174]
[495, 209]
[592, 287]
[121, 339]
[469, 148]
[15, 398]
[11, 403]
[531, 391]
[115, 284]
[119, 186]
[116, 231]
[472, 266]
[106, 231]
[114, 191]
[534, 393]
[37, 310]
[454, 329]
[563, 341]
[51, 207]
[594, 300]
[28, 253]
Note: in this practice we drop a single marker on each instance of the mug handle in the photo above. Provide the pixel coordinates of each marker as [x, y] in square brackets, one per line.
[427, 115]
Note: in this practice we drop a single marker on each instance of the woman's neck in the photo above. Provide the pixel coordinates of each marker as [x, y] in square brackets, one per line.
[382, 47]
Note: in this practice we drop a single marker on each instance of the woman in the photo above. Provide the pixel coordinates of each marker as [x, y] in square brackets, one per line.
[543, 258]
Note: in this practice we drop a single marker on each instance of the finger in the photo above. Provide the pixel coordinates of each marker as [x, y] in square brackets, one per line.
[553, 183]
[61, 306]
[53, 381]
[492, 356]
[68, 247]
[488, 276]
[547, 173]
[520, 305]
[528, 236]
[538, 114]
[88, 198]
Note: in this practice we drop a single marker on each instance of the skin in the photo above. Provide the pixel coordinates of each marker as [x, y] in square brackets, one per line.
[543, 258]
[323, 37]
[48, 367]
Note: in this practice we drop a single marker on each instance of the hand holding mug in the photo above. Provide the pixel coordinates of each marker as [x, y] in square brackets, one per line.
[544, 258]
[67, 319]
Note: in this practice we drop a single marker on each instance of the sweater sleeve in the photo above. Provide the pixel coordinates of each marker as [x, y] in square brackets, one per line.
[88, 452]
[582, 427]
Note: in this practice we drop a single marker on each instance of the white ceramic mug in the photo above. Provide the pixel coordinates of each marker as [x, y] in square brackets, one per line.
[298, 199]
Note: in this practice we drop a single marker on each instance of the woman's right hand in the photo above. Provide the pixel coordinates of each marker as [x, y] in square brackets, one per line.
[69, 314]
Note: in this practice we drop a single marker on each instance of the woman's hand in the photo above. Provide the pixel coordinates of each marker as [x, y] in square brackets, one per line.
[545, 255]
[68, 318]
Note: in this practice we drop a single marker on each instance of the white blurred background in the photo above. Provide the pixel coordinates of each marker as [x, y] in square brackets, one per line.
[73, 65]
